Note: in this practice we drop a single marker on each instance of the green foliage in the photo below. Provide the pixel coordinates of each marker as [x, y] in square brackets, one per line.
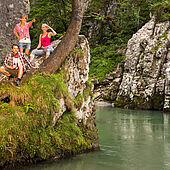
[164, 35]
[112, 31]
[78, 101]
[88, 90]
[79, 51]
[161, 9]
[25, 129]
[24, 137]
[56, 14]
[104, 59]
[29, 107]
[157, 46]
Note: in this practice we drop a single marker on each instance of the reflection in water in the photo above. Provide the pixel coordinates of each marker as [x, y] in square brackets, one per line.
[129, 140]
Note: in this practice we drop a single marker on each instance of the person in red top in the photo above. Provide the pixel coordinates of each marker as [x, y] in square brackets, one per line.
[45, 40]
[24, 38]
[15, 64]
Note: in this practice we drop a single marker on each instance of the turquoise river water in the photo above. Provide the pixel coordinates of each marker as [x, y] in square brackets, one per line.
[129, 140]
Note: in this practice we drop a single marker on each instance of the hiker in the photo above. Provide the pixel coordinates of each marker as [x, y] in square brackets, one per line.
[15, 64]
[45, 40]
[24, 37]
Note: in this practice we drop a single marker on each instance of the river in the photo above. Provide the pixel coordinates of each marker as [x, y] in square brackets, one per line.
[129, 140]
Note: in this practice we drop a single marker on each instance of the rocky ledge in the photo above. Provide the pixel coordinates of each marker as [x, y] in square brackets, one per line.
[50, 116]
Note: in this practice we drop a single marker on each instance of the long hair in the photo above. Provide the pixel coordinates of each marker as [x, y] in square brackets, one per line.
[23, 15]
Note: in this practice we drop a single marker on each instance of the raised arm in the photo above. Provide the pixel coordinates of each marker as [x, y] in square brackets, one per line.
[53, 33]
[30, 23]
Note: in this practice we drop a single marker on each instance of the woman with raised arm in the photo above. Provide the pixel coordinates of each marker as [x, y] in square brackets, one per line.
[45, 41]
[24, 38]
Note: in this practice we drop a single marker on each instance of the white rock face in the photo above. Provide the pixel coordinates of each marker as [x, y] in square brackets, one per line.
[76, 68]
[77, 65]
[147, 66]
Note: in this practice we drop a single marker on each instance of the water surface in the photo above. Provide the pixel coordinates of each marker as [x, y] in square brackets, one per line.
[129, 140]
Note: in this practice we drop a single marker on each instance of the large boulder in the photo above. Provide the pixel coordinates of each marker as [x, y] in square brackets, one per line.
[146, 77]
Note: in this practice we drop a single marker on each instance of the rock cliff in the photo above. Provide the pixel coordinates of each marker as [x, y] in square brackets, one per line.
[76, 68]
[144, 81]
[10, 12]
[52, 115]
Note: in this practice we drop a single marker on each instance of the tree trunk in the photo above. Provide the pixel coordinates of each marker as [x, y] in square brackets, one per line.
[68, 41]
[54, 61]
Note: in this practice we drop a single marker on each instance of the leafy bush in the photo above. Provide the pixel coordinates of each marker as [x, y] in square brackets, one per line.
[161, 10]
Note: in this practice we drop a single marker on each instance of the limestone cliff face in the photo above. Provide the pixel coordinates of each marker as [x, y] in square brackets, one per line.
[146, 77]
[76, 68]
[10, 12]
[143, 81]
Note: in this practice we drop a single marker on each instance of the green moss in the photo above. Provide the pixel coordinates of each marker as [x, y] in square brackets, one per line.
[88, 90]
[157, 46]
[161, 10]
[154, 102]
[26, 133]
[164, 35]
[104, 59]
[78, 100]
[81, 97]
[79, 51]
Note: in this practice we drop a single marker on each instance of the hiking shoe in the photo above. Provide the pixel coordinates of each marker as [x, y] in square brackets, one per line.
[18, 82]
[10, 77]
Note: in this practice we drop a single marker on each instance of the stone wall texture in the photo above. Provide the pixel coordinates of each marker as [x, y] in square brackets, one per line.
[10, 11]
[143, 81]
[146, 71]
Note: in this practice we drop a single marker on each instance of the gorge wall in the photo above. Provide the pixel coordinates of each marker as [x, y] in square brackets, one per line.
[76, 71]
[10, 12]
[144, 80]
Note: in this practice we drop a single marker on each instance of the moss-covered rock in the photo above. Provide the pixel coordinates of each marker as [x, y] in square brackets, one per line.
[26, 134]
[49, 115]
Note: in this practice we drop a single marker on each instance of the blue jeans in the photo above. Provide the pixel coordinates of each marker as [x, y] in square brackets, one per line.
[46, 50]
[24, 45]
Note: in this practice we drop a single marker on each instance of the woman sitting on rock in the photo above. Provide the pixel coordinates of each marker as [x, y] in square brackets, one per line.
[45, 40]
